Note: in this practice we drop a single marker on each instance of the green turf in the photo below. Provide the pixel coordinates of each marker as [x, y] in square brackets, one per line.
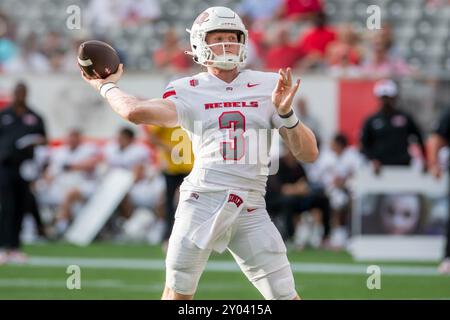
[39, 282]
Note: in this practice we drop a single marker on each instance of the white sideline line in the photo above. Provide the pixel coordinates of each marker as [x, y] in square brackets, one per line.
[103, 284]
[228, 266]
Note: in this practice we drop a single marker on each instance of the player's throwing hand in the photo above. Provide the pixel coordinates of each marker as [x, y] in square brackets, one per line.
[284, 92]
[97, 83]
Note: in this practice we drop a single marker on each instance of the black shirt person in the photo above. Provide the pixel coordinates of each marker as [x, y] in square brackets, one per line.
[439, 139]
[21, 129]
[385, 136]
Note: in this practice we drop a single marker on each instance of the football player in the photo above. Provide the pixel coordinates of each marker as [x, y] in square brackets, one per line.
[222, 203]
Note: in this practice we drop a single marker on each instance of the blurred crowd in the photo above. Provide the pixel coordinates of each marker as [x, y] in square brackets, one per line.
[282, 33]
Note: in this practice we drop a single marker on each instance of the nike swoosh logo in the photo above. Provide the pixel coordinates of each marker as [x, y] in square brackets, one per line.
[250, 85]
[250, 210]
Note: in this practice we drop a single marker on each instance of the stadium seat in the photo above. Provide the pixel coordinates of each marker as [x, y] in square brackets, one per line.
[417, 26]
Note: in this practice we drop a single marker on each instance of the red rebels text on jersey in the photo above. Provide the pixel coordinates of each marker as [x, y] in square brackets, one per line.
[233, 104]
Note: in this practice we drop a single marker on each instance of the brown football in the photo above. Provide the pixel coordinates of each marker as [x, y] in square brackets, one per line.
[98, 59]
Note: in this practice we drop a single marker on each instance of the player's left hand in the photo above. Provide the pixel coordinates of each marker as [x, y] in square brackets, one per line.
[284, 92]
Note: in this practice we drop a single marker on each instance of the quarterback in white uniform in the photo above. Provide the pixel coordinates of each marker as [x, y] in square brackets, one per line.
[228, 113]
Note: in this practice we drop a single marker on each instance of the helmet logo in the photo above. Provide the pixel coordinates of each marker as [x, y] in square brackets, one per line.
[202, 18]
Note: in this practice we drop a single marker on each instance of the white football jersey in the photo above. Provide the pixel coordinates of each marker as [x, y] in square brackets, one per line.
[230, 128]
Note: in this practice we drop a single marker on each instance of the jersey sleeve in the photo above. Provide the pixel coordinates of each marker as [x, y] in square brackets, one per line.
[184, 115]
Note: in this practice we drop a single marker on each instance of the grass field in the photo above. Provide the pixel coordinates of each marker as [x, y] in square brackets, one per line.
[137, 272]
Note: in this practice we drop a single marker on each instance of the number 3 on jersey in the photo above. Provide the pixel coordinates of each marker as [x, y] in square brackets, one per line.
[235, 121]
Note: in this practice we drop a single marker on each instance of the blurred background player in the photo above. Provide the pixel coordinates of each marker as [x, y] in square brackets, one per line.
[177, 159]
[291, 193]
[336, 165]
[126, 153]
[437, 141]
[21, 130]
[69, 180]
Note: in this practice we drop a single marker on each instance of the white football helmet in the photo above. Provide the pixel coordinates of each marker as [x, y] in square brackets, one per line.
[214, 19]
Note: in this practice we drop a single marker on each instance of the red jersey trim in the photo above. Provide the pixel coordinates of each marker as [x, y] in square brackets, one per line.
[169, 93]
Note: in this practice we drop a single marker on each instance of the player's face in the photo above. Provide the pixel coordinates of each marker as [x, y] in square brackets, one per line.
[213, 38]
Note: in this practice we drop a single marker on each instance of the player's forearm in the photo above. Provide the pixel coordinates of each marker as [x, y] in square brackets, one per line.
[157, 112]
[123, 104]
[302, 143]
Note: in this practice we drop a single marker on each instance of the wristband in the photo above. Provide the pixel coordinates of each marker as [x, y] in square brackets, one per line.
[104, 88]
[289, 120]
